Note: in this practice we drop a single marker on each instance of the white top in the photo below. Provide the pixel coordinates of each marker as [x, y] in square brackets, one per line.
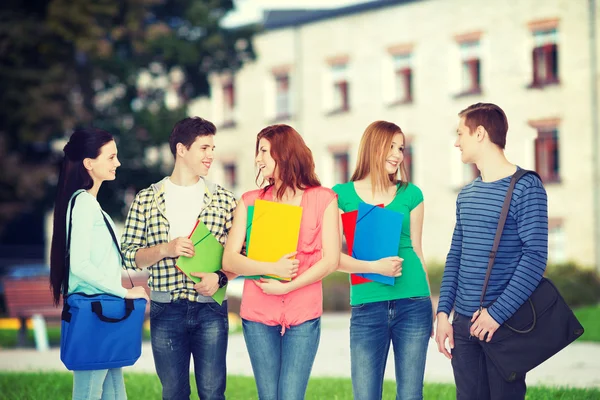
[183, 206]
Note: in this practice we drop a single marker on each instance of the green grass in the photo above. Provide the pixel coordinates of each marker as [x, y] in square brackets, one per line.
[590, 319]
[33, 386]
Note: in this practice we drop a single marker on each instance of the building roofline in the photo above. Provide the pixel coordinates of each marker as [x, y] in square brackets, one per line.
[304, 17]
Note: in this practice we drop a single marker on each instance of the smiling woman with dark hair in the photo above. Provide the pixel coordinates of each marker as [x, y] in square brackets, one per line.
[95, 263]
[282, 321]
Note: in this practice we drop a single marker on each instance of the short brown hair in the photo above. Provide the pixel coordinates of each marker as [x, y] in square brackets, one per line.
[187, 130]
[491, 117]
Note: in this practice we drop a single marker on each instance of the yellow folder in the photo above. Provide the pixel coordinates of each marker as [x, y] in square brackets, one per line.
[275, 231]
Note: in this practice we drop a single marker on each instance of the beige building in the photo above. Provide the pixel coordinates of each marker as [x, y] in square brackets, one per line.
[418, 63]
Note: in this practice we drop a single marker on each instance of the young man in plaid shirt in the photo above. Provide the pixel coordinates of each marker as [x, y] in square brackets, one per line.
[184, 319]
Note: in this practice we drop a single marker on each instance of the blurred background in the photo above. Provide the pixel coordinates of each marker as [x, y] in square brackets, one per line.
[327, 68]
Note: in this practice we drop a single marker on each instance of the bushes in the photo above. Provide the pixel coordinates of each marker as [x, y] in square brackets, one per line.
[336, 292]
[579, 286]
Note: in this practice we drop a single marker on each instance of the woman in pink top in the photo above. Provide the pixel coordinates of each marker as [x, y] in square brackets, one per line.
[281, 320]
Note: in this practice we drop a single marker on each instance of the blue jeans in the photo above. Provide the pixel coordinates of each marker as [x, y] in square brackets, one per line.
[105, 384]
[182, 329]
[475, 375]
[406, 323]
[282, 364]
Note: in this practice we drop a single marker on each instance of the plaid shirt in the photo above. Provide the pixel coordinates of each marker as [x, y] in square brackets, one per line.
[147, 226]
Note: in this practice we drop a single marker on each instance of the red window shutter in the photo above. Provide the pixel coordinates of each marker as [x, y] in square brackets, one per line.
[536, 77]
[476, 77]
[552, 62]
[473, 67]
[407, 72]
[539, 158]
[344, 92]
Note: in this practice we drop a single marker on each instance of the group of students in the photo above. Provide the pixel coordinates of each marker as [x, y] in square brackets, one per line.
[281, 320]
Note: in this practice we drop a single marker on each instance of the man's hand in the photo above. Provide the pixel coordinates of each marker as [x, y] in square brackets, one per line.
[181, 246]
[482, 323]
[388, 266]
[444, 331]
[209, 283]
[273, 286]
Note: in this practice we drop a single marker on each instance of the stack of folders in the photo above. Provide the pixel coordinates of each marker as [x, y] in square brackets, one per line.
[272, 231]
[208, 257]
[372, 232]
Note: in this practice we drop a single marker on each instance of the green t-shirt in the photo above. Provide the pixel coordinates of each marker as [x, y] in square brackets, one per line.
[413, 281]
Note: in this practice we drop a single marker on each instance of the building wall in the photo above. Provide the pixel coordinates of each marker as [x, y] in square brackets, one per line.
[431, 29]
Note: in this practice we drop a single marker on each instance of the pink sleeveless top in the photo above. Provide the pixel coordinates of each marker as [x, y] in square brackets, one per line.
[305, 303]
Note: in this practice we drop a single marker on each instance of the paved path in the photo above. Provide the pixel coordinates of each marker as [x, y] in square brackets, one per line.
[576, 366]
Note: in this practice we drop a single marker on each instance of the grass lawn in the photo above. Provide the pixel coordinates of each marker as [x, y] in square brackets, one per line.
[590, 319]
[32, 386]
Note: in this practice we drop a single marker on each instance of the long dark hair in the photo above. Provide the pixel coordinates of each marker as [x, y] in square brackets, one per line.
[83, 143]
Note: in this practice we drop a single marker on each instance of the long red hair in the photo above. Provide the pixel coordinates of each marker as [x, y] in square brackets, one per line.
[293, 159]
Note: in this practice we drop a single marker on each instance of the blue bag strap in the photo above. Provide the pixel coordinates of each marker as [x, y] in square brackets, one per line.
[114, 238]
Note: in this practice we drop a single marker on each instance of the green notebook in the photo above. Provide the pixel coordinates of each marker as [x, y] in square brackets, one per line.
[208, 257]
[248, 231]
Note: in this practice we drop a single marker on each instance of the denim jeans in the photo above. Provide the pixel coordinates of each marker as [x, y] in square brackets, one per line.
[282, 364]
[406, 323]
[475, 375]
[101, 384]
[182, 329]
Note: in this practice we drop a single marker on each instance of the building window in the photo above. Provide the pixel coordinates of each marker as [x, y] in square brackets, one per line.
[546, 154]
[470, 67]
[230, 171]
[545, 58]
[556, 241]
[228, 104]
[341, 167]
[403, 78]
[282, 96]
[341, 101]
[408, 159]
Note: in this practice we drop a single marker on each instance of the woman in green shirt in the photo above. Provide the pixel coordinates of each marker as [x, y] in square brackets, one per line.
[382, 314]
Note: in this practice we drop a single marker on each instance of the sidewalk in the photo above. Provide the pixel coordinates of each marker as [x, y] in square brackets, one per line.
[576, 366]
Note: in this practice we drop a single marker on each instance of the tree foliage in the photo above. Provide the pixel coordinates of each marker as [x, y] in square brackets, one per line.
[67, 63]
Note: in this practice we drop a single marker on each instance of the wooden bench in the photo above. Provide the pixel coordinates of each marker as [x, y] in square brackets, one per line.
[26, 297]
[29, 296]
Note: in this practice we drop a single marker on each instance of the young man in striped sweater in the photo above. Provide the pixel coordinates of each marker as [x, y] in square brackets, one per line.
[520, 260]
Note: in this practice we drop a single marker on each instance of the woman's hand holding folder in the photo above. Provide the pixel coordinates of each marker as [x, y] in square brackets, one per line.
[286, 266]
[387, 266]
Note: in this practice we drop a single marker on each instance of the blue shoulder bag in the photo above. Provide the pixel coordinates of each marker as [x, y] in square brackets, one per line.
[99, 331]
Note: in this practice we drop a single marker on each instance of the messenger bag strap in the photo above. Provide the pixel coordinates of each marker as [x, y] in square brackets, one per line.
[501, 221]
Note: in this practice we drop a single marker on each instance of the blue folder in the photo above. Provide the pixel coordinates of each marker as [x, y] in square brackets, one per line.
[377, 236]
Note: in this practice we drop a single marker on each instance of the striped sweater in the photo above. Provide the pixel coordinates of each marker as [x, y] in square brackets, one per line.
[520, 259]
